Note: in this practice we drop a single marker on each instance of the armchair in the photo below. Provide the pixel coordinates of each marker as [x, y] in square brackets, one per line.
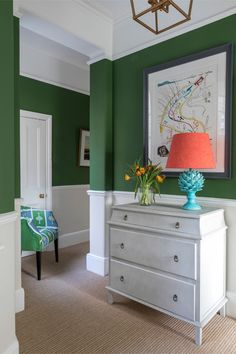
[38, 229]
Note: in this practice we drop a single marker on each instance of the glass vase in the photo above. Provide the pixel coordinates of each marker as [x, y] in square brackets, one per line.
[145, 195]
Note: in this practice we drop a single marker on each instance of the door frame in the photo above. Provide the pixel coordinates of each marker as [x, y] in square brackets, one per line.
[48, 119]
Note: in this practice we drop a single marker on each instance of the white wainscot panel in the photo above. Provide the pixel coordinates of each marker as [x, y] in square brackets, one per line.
[70, 205]
[8, 341]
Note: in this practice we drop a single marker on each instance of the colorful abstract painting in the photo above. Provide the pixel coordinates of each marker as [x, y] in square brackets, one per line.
[186, 105]
[189, 97]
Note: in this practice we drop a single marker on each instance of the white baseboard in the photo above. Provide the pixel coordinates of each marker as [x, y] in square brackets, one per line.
[231, 304]
[13, 349]
[96, 264]
[71, 239]
[27, 253]
[20, 300]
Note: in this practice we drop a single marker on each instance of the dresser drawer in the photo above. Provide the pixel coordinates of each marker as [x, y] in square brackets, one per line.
[162, 222]
[165, 292]
[170, 255]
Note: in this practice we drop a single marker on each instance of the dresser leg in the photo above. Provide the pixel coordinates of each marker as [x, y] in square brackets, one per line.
[110, 299]
[198, 335]
[222, 311]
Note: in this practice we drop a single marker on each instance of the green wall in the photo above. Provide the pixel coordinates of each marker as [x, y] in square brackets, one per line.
[7, 148]
[101, 125]
[17, 106]
[70, 112]
[128, 101]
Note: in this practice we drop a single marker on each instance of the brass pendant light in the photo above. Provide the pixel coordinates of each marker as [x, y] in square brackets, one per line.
[152, 16]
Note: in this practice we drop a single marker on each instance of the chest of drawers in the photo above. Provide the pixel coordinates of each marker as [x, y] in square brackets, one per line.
[169, 259]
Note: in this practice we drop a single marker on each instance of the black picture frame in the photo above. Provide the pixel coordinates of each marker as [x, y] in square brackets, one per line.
[225, 173]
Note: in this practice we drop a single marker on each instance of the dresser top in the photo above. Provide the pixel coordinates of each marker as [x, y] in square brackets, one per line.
[167, 210]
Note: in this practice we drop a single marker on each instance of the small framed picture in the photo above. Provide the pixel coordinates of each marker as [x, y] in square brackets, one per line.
[84, 150]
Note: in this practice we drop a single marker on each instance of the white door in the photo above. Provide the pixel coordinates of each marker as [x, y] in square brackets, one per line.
[35, 159]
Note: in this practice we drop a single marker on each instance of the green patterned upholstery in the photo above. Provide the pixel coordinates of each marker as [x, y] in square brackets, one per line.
[38, 229]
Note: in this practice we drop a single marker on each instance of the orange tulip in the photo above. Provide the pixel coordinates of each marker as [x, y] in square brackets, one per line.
[138, 173]
[127, 177]
[142, 170]
[160, 179]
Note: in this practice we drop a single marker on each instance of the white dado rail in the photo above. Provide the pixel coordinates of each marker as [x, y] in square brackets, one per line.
[100, 213]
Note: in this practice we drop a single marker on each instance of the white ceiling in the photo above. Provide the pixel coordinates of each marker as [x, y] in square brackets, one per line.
[130, 36]
[117, 10]
[113, 9]
[92, 27]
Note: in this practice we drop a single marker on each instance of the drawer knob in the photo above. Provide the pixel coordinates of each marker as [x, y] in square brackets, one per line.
[122, 278]
[175, 298]
[125, 217]
[176, 258]
[177, 225]
[122, 246]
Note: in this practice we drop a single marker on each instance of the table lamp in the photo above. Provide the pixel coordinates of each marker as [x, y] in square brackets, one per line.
[193, 151]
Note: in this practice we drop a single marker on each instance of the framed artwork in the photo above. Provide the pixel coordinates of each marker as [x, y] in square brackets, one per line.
[84, 149]
[190, 94]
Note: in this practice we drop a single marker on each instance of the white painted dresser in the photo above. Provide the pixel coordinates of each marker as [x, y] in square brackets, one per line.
[169, 259]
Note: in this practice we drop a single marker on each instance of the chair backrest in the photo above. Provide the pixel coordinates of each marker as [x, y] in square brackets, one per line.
[41, 218]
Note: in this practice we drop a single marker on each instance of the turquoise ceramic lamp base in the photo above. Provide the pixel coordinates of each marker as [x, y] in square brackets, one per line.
[191, 150]
[191, 203]
[191, 181]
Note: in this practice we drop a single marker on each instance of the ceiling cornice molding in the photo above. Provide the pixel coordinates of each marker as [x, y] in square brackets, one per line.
[166, 36]
[54, 83]
[98, 58]
[17, 14]
[80, 21]
[16, 10]
[93, 10]
[42, 44]
[123, 19]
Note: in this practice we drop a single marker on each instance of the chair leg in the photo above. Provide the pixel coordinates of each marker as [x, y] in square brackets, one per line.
[56, 249]
[38, 262]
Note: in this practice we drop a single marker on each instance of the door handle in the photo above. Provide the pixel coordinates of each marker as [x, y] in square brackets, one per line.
[41, 195]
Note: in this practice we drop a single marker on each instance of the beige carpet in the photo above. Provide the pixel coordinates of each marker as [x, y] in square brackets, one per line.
[66, 313]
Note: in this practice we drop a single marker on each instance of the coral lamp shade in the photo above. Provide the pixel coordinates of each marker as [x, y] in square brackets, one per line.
[191, 150]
